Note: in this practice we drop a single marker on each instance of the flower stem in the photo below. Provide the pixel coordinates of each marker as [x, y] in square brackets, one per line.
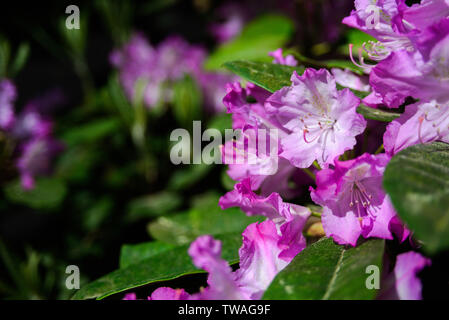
[316, 214]
[380, 149]
[309, 173]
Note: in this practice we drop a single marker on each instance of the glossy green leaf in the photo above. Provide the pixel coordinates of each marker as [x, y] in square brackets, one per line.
[269, 76]
[260, 36]
[328, 271]
[377, 114]
[133, 253]
[166, 265]
[205, 217]
[417, 180]
[48, 193]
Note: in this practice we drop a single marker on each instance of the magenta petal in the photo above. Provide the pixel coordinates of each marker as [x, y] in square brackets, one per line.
[408, 265]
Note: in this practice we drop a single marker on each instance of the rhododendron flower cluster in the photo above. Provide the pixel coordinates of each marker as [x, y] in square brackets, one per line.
[31, 131]
[318, 135]
[157, 68]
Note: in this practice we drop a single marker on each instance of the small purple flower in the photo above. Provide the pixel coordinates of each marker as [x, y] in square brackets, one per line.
[130, 296]
[162, 293]
[322, 121]
[165, 293]
[8, 95]
[30, 124]
[35, 159]
[289, 60]
[233, 17]
[354, 202]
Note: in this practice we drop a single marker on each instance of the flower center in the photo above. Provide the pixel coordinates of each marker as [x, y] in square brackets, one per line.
[362, 200]
[317, 128]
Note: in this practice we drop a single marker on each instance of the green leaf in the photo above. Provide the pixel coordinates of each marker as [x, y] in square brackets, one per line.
[98, 213]
[166, 265]
[133, 253]
[377, 114]
[91, 132]
[48, 193]
[342, 64]
[21, 58]
[75, 163]
[221, 122]
[260, 36]
[205, 217]
[153, 205]
[186, 101]
[328, 271]
[185, 178]
[417, 181]
[269, 76]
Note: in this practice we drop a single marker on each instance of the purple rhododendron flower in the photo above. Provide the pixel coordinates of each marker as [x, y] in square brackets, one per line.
[246, 156]
[35, 159]
[322, 121]
[158, 67]
[260, 260]
[422, 74]
[139, 61]
[279, 58]
[420, 123]
[233, 17]
[422, 15]
[403, 283]
[175, 57]
[30, 123]
[290, 218]
[354, 202]
[378, 19]
[214, 86]
[8, 95]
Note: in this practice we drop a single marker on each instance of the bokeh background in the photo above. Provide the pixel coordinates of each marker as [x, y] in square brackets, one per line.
[112, 182]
